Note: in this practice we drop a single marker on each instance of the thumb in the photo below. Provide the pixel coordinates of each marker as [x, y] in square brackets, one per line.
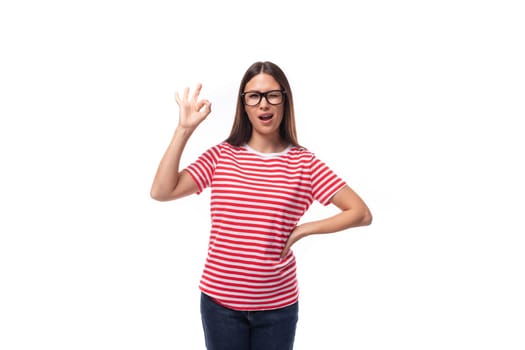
[204, 106]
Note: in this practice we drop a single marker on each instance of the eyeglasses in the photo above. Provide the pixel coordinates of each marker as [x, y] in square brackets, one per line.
[273, 97]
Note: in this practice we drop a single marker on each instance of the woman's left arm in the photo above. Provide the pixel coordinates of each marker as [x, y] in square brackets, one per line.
[354, 213]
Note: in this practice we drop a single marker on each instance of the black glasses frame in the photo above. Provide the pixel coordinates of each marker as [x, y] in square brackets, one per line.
[263, 94]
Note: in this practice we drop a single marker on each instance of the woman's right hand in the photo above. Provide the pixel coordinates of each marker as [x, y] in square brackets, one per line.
[192, 111]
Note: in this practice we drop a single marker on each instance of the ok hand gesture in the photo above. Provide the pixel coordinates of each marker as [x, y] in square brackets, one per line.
[192, 111]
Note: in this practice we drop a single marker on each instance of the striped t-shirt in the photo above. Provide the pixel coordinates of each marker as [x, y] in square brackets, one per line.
[257, 200]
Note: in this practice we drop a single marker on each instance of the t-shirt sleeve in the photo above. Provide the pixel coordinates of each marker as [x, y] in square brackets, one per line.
[203, 168]
[325, 183]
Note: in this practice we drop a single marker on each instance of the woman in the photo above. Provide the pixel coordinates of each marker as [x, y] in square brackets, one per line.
[262, 182]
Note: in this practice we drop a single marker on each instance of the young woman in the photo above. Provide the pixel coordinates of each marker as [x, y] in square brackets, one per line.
[262, 182]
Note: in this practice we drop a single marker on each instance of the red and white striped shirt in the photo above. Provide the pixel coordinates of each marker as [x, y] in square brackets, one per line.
[257, 200]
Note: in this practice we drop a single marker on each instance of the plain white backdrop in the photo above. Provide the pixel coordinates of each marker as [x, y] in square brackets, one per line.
[417, 104]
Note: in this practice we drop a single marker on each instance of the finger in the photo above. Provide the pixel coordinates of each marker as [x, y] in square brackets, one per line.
[177, 98]
[204, 106]
[285, 250]
[197, 92]
[186, 93]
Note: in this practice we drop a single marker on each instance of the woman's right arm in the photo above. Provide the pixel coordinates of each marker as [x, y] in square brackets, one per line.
[170, 183]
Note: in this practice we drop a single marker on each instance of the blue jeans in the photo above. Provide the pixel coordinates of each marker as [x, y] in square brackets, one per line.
[226, 329]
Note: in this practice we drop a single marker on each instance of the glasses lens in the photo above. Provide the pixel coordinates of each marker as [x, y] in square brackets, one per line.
[274, 97]
[252, 98]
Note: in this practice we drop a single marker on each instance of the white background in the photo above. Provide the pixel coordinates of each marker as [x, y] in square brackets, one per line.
[417, 104]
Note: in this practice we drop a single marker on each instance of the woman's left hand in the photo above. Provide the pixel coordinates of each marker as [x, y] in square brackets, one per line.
[298, 233]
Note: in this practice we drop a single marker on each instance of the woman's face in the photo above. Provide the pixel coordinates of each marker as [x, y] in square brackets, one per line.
[264, 116]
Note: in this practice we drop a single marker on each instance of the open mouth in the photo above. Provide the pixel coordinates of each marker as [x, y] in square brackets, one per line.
[266, 117]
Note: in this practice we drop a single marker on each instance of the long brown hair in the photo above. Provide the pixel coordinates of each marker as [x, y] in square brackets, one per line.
[242, 128]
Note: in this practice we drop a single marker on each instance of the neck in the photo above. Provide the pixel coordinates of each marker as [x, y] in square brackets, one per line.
[267, 145]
